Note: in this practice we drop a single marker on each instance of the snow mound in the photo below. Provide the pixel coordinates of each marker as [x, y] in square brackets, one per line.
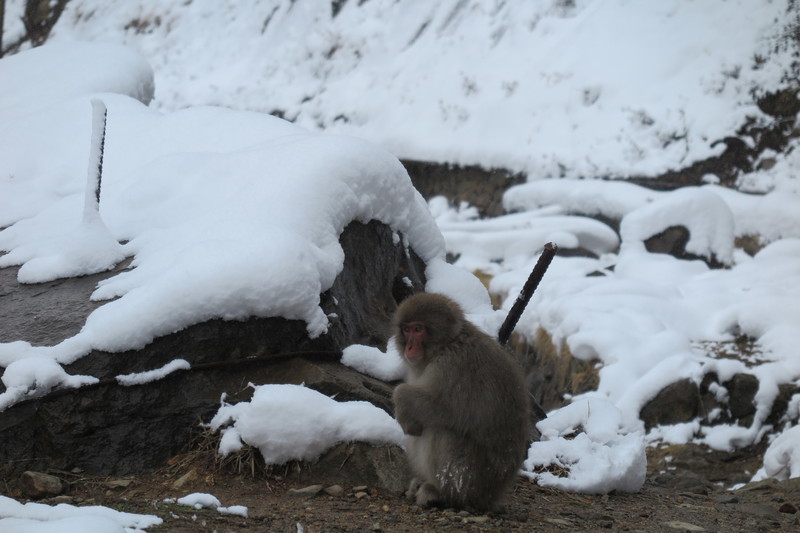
[290, 422]
[597, 460]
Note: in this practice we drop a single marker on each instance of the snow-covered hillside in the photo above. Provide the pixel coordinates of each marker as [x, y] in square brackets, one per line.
[575, 88]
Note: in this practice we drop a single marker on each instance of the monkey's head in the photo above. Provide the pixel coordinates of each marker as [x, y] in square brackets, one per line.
[423, 323]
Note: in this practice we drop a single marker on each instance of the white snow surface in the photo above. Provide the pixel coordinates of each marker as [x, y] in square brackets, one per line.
[16, 517]
[199, 500]
[233, 214]
[203, 500]
[387, 366]
[782, 460]
[141, 378]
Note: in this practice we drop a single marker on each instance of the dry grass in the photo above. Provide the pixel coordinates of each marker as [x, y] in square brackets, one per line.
[202, 455]
[742, 348]
[554, 469]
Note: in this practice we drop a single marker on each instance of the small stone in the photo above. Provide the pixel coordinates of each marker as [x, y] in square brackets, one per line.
[38, 485]
[376, 527]
[334, 490]
[63, 499]
[360, 488]
[191, 475]
[787, 508]
[477, 519]
[360, 495]
[119, 483]
[311, 490]
[760, 510]
[385, 508]
[766, 485]
[683, 526]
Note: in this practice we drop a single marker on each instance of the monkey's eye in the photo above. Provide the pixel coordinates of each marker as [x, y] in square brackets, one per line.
[414, 328]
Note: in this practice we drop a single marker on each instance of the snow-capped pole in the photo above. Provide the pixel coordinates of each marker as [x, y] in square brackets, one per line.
[94, 178]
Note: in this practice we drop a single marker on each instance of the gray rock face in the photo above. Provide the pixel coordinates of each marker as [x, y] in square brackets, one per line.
[684, 401]
[109, 429]
[475, 185]
[44, 314]
[672, 241]
[677, 402]
[377, 466]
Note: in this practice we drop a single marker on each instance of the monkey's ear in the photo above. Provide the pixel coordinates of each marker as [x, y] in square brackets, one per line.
[455, 326]
[448, 317]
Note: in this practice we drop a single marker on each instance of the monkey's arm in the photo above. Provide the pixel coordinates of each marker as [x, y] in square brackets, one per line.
[416, 408]
[407, 406]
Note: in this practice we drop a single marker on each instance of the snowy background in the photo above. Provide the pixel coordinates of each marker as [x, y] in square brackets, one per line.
[569, 90]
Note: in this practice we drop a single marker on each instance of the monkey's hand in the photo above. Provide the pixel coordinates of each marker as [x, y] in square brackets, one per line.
[405, 409]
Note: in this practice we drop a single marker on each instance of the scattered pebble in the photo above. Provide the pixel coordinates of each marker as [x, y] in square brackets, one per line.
[119, 483]
[760, 510]
[184, 479]
[683, 526]
[558, 521]
[311, 490]
[334, 490]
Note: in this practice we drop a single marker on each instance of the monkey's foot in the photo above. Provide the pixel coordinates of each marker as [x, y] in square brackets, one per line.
[428, 495]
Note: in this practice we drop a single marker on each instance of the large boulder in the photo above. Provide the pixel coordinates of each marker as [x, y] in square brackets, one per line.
[109, 429]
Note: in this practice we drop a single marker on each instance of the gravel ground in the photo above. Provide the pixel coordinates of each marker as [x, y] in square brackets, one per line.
[673, 499]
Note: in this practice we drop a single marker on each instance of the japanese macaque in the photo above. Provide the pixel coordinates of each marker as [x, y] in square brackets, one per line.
[464, 407]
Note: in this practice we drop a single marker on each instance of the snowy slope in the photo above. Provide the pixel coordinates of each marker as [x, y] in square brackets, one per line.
[553, 88]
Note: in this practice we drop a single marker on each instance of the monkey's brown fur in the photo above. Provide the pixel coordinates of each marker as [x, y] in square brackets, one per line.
[464, 407]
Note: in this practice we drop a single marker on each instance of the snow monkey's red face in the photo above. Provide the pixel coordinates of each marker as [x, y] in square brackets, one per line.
[414, 334]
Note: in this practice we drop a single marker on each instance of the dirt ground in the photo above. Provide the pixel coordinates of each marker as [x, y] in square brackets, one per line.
[679, 495]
